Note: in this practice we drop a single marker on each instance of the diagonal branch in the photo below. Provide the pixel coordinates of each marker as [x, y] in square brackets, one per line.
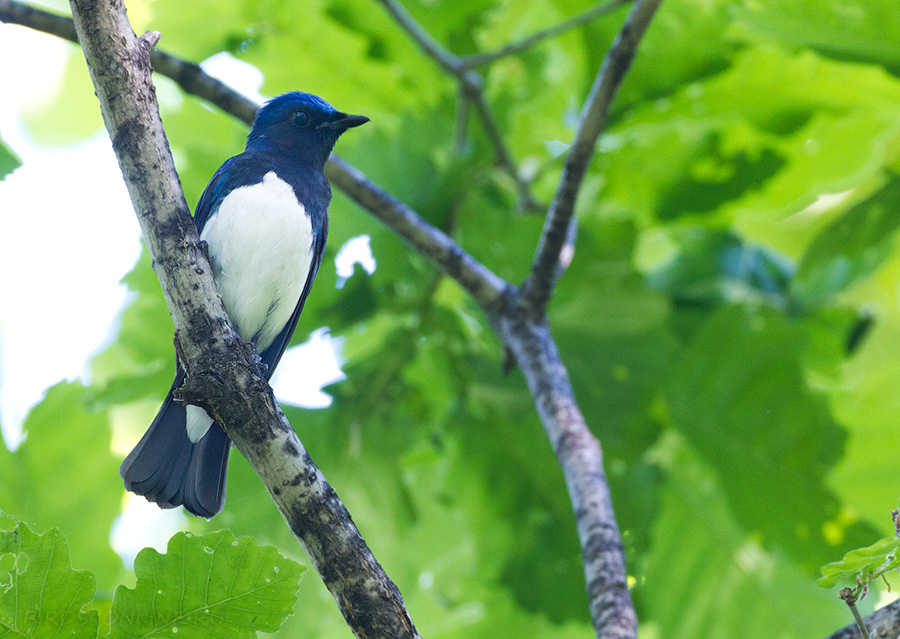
[223, 374]
[578, 20]
[472, 89]
[545, 271]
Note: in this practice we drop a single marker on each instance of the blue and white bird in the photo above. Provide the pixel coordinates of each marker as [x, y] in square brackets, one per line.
[264, 217]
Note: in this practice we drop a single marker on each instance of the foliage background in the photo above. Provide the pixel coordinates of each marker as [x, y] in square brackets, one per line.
[730, 320]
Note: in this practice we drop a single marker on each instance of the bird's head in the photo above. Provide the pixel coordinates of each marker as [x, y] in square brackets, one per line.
[301, 125]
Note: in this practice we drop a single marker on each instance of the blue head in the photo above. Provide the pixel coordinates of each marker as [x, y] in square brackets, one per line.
[301, 125]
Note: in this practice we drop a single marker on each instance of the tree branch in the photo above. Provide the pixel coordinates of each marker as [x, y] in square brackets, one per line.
[578, 20]
[581, 457]
[222, 371]
[538, 287]
[472, 87]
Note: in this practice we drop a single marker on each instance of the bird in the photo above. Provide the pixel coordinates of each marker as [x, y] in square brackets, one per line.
[264, 219]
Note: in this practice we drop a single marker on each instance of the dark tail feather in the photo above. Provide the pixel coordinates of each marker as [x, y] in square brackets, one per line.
[204, 490]
[166, 468]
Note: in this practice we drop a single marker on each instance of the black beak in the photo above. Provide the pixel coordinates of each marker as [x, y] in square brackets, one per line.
[343, 121]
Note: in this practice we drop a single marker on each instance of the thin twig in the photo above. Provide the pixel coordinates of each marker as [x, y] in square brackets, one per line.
[489, 290]
[544, 271]
[472, 87]
[849, 598]
[461, 128]
[578, 20]
[581, 457]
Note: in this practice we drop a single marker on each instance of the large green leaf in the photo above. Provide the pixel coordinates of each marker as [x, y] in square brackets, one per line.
[207, 586]
[40, 594]
[64, 475]
[741, 400]
[708, 576]
[745, 143]
[851, 246]
[857, 30]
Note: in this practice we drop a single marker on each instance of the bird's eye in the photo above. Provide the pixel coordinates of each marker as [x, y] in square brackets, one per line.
[301, 118]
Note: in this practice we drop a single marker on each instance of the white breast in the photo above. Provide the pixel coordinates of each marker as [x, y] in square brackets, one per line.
[261, 243]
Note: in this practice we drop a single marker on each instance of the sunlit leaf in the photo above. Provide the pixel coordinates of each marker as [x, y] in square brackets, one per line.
[40, 594]
[880, 556]
[208, 586]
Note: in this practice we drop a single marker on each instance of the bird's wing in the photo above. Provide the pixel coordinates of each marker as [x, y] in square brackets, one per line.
[273, 353]
[218, 187]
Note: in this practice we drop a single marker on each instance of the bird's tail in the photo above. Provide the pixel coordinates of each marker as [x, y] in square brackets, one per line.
[166, 468]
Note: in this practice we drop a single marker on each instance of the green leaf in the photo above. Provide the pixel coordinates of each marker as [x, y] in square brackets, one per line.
[741, 399]
[41, 596]
[65, 475]
[712, 266]
[209, 586]
[9, 161]
[707, 574]
[856, 30]
[862, 562]
[851, 246]
[746, 145]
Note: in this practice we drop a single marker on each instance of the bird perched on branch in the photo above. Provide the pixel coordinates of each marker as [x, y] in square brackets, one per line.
[264, 218]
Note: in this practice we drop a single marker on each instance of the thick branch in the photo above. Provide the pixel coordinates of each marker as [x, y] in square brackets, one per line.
[218, 364]
[513, 48]
[544, 271]
[581, 458]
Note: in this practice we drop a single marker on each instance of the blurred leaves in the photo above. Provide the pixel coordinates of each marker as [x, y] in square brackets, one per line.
[729, 319]
[850, 247]
[9, 161]
[65, 475]
[72, 115]
[852, 30]
[722, 583]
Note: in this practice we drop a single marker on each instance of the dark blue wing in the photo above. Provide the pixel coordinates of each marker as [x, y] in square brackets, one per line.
[231, 175]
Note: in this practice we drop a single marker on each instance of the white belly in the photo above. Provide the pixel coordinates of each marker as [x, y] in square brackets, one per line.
[260, 241]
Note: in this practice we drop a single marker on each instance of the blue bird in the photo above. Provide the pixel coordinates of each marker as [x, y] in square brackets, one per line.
[264, 217]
